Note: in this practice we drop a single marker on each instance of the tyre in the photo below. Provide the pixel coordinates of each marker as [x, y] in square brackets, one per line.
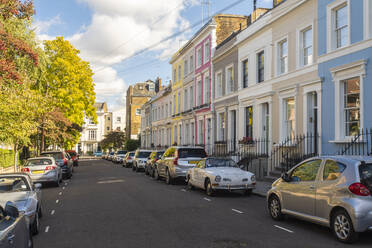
[156, 174]
[40, 212]
[35, 225]
[208, 189]
[30, 242]
[146, 171]
[168, 177]
[57, 183]
[248, 192]
[189, 185]
[275, 208]
[133, 168]
[342, 227]
[152, 173]
[137, 169]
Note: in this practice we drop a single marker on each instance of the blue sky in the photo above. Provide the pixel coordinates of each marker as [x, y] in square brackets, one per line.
[109, 32]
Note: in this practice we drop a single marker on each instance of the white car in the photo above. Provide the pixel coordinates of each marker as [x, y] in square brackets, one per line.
[212, 174]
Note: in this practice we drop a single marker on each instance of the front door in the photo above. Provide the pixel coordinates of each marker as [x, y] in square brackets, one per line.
[299, 194]
[312, 120]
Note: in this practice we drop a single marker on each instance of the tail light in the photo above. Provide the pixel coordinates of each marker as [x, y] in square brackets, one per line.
[156, 159]
[129, 157]
[50, 168]
[25, 170]
[175, 161]
[359, 189]
[65, 161]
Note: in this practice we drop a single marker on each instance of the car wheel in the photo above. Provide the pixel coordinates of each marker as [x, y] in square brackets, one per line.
[342, 227]
[156, 174]
[133, 168]
[40, 212]
[30, 242]
[248, 192]
[137, 169]
[146, 171]
[275, 208]
[168, 177]
[189, 185]
[57, 183]
[152, 173]
[35, 225]
[208, 189]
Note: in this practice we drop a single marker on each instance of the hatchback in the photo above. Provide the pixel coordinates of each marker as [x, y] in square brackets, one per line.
[43, 170]
[128, 159]
[63, 160]
[140, 159]
[334, 191]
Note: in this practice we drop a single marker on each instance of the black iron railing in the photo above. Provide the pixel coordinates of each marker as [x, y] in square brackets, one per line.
[360, 144]
[293, 150]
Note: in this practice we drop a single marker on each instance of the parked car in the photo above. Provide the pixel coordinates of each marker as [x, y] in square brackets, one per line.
[74, 156]
[212, 174]
[19, 188]
[98, 154]
[150, 164]
[128, 159]
[176, 161]
[119, 156]
[63, 160]
[14, 230]
[104, 155]
[110, 156]
[140, 159]
[334, 191]
[43, 170]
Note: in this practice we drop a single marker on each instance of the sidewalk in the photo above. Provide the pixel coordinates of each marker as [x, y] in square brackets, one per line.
[262, 188]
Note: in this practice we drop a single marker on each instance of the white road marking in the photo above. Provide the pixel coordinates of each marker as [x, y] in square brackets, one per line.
[111, 181]
[47, 229]
[284, 229]
[53, 211]
[205, 198]
[57, 201]
[235, 210]
[183, 190]
[65, 184]
[63, 187]
[60, 193]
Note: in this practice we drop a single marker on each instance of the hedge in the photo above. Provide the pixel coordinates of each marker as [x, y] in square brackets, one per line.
[7, 158]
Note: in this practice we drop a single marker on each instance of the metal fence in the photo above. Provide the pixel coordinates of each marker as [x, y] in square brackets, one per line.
[360, 144]
[293, 150]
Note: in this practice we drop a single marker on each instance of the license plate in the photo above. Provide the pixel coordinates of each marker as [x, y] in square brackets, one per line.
[37, 172]
[193, 162]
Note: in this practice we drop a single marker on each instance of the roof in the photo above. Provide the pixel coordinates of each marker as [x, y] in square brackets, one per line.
[41, 157]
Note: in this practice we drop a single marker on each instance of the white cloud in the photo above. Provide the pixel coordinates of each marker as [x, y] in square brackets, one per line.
[118, 30]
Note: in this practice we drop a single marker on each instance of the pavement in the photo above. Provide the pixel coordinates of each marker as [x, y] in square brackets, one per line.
[106, 206]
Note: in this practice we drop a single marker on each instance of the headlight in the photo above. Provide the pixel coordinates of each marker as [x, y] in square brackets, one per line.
[253, 178]
[217, 179]
[227, 179]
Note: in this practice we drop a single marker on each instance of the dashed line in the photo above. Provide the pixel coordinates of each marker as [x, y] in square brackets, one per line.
[207, 199]
[183, 190]
[47, 229]
[65, 184]
[237, 211]
[63, 187]
[57, 201]
[60, 193]
[284, 229]
[53, 211]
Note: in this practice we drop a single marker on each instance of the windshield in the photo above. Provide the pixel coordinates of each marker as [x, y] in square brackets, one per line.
[365, 171]
[72, 154]
[218, 162]
[13, 184]
[159, 154]
[143, 154]
[37, 162]
[121, 152]
[55, 155]
[193, 153]
[112, 153]
[131, 154]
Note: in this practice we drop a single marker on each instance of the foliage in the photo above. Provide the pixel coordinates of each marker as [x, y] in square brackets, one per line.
[131, 145]
[6, 158]
[113, 140]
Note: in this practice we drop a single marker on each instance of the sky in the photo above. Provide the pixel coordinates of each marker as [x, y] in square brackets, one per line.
[128, 41]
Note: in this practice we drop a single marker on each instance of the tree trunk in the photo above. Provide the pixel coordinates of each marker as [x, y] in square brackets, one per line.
[15, 157]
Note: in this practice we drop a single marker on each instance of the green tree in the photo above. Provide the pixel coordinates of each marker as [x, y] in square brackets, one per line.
[113, 140]
[131, 145]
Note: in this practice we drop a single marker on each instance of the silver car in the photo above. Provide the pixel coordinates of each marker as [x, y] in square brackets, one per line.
[140, 159]
[43, 170]
[14, 231]
[19, 188]
[334, 191]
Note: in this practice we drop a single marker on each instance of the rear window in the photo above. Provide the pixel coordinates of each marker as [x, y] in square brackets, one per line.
[131, 154]
[143, 154]
[365, 172]
[193, 153]
[121, 152]
[36, 162]
[55, 155]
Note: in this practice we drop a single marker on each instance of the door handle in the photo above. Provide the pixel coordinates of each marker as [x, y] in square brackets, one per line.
[11, 239]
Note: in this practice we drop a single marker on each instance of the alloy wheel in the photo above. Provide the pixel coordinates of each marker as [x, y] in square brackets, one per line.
[274, 208]
[342, 227]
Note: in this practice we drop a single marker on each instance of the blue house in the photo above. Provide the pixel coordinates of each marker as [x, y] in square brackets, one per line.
[345, 67]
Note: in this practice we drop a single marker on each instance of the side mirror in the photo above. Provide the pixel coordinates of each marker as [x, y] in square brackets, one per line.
[11, 210]
[286, 177]
[37, 185]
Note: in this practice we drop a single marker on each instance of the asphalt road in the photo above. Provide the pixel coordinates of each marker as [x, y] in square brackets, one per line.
[105, 205]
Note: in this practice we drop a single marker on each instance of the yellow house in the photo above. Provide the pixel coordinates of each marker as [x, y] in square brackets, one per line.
[177, 97]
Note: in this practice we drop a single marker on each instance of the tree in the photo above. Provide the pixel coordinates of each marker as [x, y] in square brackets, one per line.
[131, 145]
[113, 140]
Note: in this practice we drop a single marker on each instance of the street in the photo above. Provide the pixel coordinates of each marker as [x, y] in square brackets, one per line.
[106, 205]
